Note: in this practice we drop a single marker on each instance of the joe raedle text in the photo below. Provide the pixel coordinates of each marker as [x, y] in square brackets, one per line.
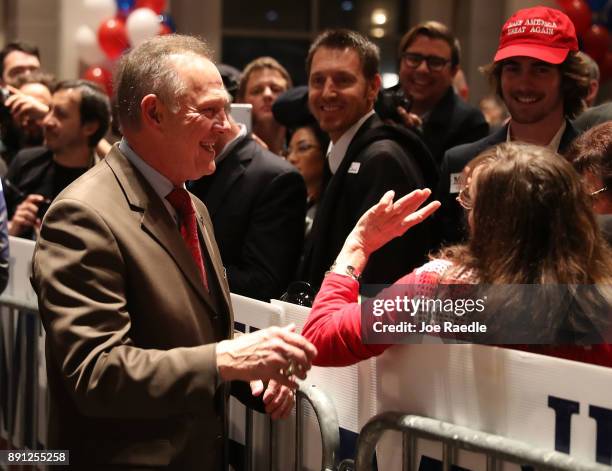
[392, 319]
[447, 327]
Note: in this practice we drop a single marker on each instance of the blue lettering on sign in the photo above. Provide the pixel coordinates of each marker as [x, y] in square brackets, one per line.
[564, 409]
[603, 443]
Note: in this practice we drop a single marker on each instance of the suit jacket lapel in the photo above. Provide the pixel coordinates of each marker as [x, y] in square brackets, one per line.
[568, 136]
[219, 270]
[336, 181]
[155, 221]
[316, 252]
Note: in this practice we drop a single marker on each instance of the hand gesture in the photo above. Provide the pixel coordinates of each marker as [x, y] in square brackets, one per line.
[276, 353]
[387, 220]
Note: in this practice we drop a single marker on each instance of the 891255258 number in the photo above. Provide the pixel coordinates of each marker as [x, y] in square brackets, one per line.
[47, 457]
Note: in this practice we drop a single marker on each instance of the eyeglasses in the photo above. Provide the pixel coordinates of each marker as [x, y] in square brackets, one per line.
[464, 199]
[597, 192]
[434, 63]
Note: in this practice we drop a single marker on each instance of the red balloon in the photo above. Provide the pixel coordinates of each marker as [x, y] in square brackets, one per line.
[580, 14]
[112, 37]
[562, 3]
[164, 29]
[101, 76]
[158, 6]
[605, 67]
[595, 42]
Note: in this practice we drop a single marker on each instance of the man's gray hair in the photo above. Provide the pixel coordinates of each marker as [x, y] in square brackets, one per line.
[148, 69]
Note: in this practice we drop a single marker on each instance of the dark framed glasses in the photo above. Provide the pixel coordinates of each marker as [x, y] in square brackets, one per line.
[434, 63]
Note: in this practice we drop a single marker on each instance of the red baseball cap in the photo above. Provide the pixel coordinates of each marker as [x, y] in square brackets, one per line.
[539, 32]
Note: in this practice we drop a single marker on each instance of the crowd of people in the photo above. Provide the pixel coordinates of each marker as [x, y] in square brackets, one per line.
[133, 272]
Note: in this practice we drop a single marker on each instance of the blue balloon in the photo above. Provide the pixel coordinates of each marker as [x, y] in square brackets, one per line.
[168, 21]
[597, 5]
[125, 6]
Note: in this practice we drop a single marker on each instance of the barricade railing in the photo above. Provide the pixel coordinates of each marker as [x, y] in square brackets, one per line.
[328, 425]
[329, 429]
[21, 401]
[453, 438]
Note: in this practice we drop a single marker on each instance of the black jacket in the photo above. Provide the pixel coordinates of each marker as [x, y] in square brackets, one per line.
[257, 203]
[450, 218]
[450, 123]
[383, 164]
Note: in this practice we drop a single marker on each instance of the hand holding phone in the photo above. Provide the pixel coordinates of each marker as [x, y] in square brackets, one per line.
[28, 214]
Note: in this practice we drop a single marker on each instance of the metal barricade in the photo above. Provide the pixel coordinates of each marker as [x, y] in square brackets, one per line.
[454, 437]
[20, 395]
[327, 418]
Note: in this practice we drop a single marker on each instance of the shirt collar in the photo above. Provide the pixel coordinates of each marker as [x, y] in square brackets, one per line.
[231, 144]
[337, 151]
[161, 185]
[554, 142]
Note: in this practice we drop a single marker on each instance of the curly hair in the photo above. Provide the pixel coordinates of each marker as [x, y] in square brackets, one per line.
[574, 82]
[592, 152]
[531, 221]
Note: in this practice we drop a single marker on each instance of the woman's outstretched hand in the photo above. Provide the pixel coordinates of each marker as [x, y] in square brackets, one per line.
[383, 222]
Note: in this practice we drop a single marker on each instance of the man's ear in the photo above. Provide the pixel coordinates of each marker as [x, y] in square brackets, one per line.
[373, 88]
[90, 127]
[151, 110]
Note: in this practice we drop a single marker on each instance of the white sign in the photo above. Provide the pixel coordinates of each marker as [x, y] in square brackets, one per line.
[19, 290]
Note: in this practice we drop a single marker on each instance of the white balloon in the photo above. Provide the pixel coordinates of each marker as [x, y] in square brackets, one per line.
[87, 46]
[96, 11]
[142, 24]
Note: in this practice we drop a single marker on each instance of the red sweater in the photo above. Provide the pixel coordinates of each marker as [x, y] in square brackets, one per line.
[334, 323]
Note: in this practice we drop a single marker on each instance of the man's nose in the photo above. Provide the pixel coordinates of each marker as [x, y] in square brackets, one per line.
[422, 67]
[221, 124]
[47, 121]
[329, 87]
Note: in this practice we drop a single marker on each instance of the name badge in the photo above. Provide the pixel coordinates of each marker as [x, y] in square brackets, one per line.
[354, 168]
[455, 183]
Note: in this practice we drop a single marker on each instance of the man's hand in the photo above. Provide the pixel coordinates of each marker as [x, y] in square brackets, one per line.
[278, 399]
[410, 120]
[25, 107]
[26, 215]
[275, 353]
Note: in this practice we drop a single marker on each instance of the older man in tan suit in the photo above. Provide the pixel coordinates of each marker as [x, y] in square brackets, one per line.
[132, 291]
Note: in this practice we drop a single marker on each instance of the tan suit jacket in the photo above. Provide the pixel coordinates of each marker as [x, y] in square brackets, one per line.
[130, 328]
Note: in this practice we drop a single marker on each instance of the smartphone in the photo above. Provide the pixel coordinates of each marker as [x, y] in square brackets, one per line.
[242, 113]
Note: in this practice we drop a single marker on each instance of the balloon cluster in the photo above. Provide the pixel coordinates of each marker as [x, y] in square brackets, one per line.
[112, 26]
[593, 22]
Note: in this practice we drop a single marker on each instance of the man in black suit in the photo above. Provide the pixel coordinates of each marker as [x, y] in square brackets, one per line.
[257, 202]
[429, 58]
[543, 82]
[78, 118]
[366, 158]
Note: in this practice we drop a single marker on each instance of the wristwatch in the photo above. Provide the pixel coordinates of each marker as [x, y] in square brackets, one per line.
[347, 270]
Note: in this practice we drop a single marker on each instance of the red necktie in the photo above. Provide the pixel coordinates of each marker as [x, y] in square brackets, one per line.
[180, 200]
